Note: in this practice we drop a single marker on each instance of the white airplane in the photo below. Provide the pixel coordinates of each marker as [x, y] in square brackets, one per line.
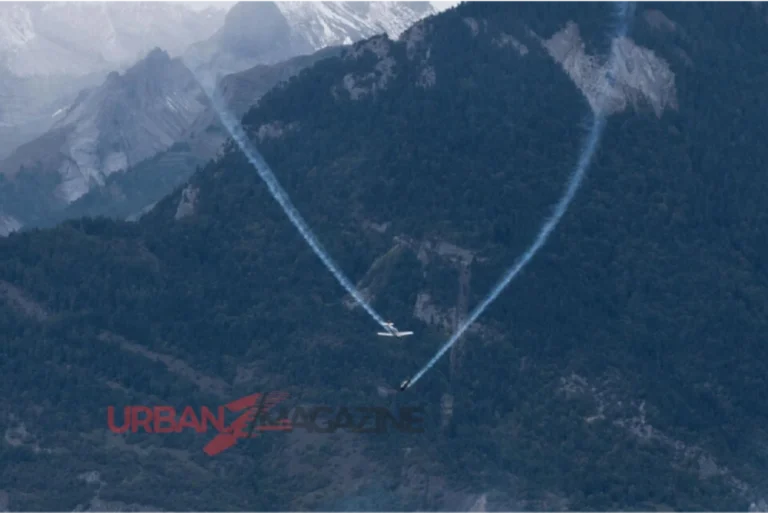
[392, 331]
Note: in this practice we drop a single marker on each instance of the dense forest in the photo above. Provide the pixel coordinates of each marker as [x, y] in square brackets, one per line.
[624, 369]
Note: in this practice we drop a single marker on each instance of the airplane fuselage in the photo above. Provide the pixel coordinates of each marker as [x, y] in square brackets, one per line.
[393, 332]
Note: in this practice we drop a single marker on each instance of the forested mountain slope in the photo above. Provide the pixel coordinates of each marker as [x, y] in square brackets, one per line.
[624, 369]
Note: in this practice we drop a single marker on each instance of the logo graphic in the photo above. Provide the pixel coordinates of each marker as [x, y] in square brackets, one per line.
[254, 405]
[256, 417]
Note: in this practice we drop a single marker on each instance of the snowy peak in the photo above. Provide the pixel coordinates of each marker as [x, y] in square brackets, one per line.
[333, 23]
[78, 38]
[270, 32]
[396, 17]
[16, 28]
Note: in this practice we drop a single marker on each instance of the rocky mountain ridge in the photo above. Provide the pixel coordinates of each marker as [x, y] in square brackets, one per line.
[50, 51]
[294, 28]
[129, 118]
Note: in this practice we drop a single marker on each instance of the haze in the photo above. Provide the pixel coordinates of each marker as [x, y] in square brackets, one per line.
[226, 4]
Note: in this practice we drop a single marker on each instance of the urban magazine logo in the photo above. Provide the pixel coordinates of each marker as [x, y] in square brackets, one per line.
[258, 414]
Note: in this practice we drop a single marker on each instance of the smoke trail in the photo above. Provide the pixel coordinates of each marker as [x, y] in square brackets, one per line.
[253, 156]
[624, 13]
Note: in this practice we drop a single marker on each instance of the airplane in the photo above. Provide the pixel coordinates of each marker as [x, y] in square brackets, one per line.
[404, 385]
[392, 331]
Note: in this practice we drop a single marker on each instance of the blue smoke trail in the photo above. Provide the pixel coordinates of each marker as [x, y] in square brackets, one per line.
[624, 13]
[266, 174]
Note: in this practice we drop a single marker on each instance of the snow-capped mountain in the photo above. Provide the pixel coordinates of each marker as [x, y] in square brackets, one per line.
[331, 23]
[49, 51]
[132, 117]
[127, 119]
[79, 38]
[15, 26]
[269, 32]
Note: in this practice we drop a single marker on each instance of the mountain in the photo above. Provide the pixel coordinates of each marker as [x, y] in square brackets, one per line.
[240, 91]
[31, 105]
[49, 51]
[269, 32]
[39, 39]
[128, 119]
[85, 147]
[129, 194]
[624, 369]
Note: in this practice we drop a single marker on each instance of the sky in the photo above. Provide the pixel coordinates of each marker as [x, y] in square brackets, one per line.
[226, 4]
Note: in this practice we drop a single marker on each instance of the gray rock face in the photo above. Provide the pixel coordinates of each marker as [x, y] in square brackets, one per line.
[49, 51]
[29, 106]
[8, 225]
[187, 203]
[129, 194]
[127, 119]
[641, 78]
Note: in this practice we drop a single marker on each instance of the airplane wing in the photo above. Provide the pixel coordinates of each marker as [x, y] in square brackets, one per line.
[404, 333]
[385, 334]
